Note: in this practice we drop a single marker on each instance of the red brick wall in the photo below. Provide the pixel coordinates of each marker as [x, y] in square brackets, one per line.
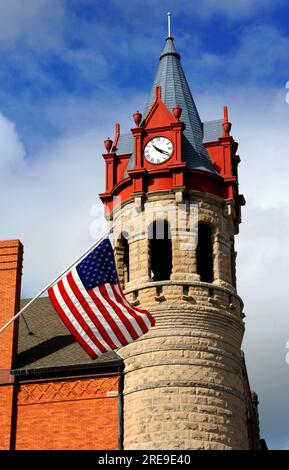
[55, 414]
[68, 414]
[6, 403]
[10, 280]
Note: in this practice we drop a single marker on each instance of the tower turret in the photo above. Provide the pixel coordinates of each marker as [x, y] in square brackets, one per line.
[172, 197]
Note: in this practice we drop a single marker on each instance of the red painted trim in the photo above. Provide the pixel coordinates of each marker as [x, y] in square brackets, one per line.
[159, 129]
[117, 187]
[147, 177]
[161, 179]
[124, 156]
[117, 133]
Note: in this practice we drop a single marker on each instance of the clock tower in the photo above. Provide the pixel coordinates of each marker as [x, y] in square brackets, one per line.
[173, 201]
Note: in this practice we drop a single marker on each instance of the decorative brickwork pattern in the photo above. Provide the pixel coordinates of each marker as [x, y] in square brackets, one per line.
[64, 391]
[68, 414]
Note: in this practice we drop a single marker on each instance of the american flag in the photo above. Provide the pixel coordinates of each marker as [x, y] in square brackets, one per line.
[92, 305]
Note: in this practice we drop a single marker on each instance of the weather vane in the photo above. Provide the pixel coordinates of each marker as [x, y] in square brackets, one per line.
[169, 24]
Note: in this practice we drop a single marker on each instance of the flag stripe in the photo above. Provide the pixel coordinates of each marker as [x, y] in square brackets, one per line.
[112, 296]
[139, 329]
[93, 321]
[140, 310]
[76, 309]
[78, 336]
[142, 319]
[119, 312]
[90, 302]
[106, 316]
[121, 332]
[76, 314]
[73, 321]
[144, 313]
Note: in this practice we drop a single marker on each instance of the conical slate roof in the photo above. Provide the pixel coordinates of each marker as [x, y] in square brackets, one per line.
[175, 91]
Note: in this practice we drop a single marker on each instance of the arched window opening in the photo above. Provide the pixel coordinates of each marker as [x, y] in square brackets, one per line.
[205, 253]
[160, 250]
[123, 260]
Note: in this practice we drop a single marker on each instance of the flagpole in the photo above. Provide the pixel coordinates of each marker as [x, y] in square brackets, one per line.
[54, 280]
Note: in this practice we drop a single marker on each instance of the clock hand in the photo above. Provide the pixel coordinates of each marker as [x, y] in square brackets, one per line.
[160, 150]
[164, 151]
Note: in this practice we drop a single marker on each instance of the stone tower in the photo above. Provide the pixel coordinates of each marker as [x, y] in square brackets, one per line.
[172, 198]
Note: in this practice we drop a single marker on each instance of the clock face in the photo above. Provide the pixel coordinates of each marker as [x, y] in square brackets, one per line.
[158, 150]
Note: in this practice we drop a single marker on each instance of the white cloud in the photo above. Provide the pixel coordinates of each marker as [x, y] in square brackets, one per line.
[11, 148]
[38, 23]
[262, 49]
[48, 200]
[74, 113]
[47, 206]
[260, 124]
[91, 66]
[46, 196]
[260, 56]
[237, 9]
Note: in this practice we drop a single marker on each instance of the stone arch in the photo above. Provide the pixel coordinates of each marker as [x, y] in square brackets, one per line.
[212, 222]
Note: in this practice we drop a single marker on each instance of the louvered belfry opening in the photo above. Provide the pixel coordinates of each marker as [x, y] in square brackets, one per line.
[160, 250]
[205, 253]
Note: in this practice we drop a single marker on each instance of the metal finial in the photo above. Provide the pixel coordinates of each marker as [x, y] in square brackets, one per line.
[169, 24]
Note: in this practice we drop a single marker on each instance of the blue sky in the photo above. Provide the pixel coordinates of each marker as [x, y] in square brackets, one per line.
[53, 51]
[69, 69]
